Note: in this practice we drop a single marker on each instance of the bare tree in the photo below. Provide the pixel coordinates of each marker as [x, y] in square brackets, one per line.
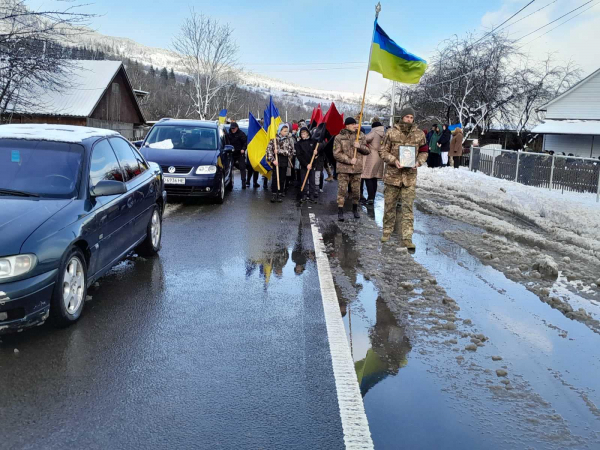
[31, 54]
[208, 54]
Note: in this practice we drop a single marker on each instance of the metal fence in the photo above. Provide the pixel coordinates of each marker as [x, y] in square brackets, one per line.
[566, 173]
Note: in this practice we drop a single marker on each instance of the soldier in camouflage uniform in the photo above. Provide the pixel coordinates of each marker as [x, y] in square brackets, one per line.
[349, 167]
[400, 182]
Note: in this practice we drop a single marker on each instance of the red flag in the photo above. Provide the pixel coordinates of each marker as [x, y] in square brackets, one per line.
[333, 120]
[317, 117]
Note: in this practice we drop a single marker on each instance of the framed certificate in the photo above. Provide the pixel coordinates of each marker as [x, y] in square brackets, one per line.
[407, 155]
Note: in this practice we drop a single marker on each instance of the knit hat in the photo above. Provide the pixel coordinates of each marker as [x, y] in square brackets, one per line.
[406, 111]
[350, 121]
[233, 125]
[281, 127]
[294, 127]
[376, 124]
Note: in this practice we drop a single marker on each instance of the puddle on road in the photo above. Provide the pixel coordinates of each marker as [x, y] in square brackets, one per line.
[407, 393]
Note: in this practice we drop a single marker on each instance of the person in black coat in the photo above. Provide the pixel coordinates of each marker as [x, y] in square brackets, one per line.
[444, 144]
[305, 149]
[239, 140]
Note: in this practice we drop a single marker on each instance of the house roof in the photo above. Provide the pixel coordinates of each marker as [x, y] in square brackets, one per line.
[56, 133]
[585, 127]
[88, 80]
[571, 89]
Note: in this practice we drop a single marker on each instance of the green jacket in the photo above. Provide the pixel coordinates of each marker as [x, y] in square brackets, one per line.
[435, 137]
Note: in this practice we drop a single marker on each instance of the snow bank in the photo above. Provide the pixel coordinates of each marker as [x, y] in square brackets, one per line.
[571, 218]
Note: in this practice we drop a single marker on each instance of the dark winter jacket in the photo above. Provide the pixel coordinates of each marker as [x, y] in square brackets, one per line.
[239, 140]
[444, 140]
[304, 151]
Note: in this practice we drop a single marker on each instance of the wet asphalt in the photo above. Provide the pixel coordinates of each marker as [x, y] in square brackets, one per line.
[220, 342]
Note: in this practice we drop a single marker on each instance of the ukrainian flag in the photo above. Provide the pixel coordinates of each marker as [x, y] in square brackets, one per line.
[257, 148]
[222, 116]
[392, 61]
[272, 120]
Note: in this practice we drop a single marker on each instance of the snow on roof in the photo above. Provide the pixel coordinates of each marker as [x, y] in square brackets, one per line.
[587, 127]
[89, 80]
[55, 133]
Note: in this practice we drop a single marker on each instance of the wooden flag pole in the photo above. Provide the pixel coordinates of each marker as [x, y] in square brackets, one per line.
[277, 163]
[362, 107]
[308, 171]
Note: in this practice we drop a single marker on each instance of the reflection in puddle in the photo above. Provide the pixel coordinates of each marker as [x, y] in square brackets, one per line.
[378, 344]
[272, 261]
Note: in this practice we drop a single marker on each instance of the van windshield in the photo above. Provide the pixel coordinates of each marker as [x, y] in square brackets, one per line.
[182, 138]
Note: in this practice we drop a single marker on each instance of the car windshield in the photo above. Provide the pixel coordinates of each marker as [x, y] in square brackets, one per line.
[182, 138]
[46, 169]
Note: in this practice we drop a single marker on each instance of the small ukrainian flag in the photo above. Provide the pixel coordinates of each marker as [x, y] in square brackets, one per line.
[222, 116]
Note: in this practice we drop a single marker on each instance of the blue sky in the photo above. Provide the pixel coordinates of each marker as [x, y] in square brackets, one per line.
[289, 39]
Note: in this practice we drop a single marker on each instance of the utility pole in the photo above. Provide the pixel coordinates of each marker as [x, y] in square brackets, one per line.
[393, 107]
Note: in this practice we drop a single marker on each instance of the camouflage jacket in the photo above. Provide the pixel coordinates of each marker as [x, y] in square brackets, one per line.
[402, 134]
[343, 151]
[285, 147]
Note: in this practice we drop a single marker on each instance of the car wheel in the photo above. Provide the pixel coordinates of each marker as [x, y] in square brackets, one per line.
[221, 194]
[70, 289]
[152, 244]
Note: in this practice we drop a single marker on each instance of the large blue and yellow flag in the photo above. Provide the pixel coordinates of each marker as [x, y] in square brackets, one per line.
[222, 116]
[392, 61]
[257, 147]
[272, 120]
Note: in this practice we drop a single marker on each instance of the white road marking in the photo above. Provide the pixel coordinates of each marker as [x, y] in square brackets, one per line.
[352, 410]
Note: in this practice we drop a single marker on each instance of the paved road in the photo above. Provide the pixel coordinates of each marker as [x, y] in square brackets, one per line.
[218, 343]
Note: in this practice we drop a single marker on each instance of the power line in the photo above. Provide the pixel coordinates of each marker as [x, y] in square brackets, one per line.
[492, 30]
[559, 25]
[305, 64]
[555, 20]
[528, 15]
[315, 69]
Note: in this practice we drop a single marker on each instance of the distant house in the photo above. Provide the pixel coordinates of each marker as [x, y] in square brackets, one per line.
[572, 120]
[99, 94]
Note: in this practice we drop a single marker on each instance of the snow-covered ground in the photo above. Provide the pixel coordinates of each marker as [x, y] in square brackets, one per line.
[543, 239]
[572, 217]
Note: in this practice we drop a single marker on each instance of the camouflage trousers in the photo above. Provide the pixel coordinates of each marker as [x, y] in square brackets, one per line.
[391, 195]
[345, 179]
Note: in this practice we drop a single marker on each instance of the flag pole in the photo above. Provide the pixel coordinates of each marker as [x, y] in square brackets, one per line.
[277, 165]
[377, 10]
[308, 171]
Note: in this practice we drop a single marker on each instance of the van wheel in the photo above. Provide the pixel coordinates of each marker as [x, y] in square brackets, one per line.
[152, 244]
[70, 289]
[221, 194]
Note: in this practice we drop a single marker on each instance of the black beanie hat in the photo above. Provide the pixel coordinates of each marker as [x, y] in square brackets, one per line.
[376, 124]
[406, 111]
[349, 121]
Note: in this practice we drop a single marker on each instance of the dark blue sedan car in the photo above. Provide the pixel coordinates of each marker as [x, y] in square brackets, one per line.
[74, 201]
[194, 156]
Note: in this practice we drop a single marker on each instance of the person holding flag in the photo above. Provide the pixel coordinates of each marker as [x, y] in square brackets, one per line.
[349, 164]
[239, 140]
[279, 151]
[307, 155]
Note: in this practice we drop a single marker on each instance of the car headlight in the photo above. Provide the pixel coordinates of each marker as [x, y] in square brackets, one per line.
[13, 266]
[206, 169]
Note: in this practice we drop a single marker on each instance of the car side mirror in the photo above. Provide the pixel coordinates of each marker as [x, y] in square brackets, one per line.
[105, 188]
[229, 148]
[138, 144]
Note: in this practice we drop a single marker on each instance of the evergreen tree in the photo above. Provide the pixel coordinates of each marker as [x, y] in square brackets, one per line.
[164, 74]
[172, 75]
[152, 72]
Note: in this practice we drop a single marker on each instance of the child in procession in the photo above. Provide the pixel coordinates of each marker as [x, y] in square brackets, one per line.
[305, 150]
[285, 152]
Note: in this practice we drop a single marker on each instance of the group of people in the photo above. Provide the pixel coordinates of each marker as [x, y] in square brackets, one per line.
[357, 161]
[445, 146]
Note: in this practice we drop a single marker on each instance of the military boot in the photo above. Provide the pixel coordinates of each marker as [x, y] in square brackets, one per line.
[355, 211]
[408, 243]
[385, 237]
[341, 214]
